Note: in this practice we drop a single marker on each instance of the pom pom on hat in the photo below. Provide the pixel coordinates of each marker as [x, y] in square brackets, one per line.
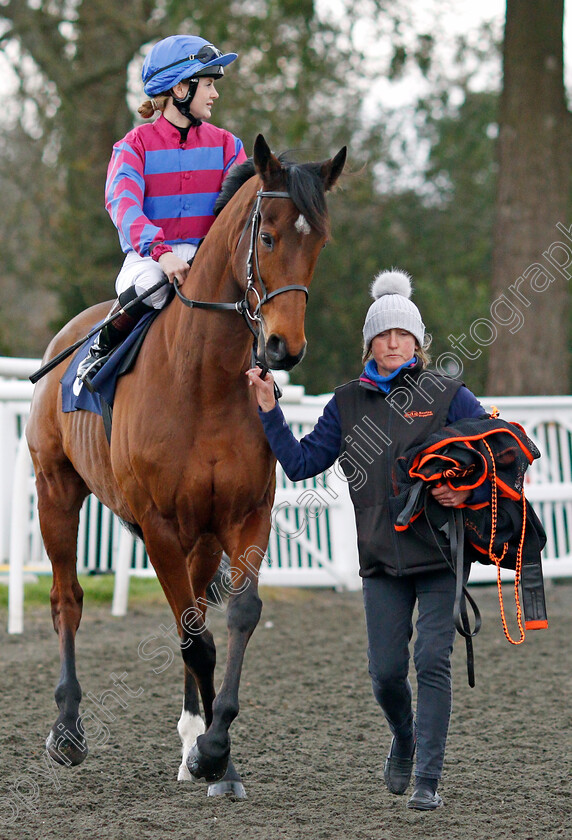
[392, 308]
[394, 282]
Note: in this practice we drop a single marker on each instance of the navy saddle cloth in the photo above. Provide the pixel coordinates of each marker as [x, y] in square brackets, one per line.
[76, 396]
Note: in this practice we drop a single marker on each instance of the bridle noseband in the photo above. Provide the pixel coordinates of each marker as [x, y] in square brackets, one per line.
[242, 306]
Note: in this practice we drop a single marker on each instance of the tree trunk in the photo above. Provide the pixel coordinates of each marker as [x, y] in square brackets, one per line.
[92, 116]
[529, 327]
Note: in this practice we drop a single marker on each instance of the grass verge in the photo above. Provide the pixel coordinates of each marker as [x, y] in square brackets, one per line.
[98, 589]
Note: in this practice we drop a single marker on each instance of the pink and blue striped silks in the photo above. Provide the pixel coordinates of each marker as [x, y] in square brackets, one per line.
[162, 189]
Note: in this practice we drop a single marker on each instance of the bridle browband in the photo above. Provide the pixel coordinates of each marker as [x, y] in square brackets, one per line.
[243, 306]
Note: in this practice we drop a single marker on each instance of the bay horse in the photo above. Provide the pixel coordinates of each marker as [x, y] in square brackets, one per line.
[188, 465]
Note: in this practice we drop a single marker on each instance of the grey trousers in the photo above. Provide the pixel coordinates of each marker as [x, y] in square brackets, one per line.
[389, 603]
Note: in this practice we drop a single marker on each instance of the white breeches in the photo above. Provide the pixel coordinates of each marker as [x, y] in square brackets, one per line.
[144, 272]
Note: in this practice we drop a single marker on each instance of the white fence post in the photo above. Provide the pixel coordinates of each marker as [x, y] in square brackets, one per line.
[343, 532]
[122, 569]
[6, 470]
[15, 399]
[19, 538]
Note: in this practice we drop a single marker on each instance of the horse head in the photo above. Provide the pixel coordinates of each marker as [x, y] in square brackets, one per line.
[288, 228]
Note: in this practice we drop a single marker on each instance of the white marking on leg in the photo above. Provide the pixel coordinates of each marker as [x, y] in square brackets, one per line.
[189, 728]
[302, 225]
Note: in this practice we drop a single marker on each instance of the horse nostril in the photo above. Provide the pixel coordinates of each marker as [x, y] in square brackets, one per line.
[277, 355]
[276, 349]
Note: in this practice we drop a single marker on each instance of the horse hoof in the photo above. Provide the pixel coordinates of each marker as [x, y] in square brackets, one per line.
[232, 789]
[202, 767]
[65, 751]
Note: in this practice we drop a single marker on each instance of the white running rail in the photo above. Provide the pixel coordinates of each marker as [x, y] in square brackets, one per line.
[313, 541]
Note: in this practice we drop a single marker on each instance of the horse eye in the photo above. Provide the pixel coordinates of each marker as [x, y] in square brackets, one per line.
[267, 240]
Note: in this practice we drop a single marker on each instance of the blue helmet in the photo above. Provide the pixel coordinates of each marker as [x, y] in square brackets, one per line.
[181, 57]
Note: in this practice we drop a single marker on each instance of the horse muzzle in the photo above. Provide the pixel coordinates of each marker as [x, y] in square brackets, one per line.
[276, 355]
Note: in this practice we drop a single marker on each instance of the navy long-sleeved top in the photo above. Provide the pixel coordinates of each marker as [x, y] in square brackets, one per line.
[318, 450]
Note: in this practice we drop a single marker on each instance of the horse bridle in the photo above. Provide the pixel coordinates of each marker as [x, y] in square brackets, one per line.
[243, 306]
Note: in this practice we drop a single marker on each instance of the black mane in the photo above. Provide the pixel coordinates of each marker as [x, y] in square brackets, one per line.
[237, 176]
[303, 181]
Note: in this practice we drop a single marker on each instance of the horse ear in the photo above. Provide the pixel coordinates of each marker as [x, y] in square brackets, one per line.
[332, 169]
[266, 164]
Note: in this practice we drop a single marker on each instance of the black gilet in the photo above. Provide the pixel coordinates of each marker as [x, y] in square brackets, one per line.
[376, 429]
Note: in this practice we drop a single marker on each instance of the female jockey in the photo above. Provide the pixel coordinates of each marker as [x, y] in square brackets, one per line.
[163, 180]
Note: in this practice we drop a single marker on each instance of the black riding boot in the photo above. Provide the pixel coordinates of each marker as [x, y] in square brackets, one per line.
[111, 336]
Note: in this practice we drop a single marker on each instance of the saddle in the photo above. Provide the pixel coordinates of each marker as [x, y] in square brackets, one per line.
[482, 454]
[75, 396]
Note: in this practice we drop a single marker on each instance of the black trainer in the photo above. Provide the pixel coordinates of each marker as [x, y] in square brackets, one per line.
[424, 798]
[397, 771]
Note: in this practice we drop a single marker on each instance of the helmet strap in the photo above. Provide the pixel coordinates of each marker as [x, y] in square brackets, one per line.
[183, 105]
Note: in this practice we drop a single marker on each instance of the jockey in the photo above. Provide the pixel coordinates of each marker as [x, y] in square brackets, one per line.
[163, 180]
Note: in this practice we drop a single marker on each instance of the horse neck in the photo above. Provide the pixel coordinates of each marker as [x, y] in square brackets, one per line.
[211, 338]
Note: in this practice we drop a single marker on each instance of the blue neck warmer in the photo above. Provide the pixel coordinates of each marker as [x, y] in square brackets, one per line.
[384, 382]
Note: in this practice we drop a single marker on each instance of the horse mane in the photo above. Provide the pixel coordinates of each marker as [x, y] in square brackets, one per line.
[304, 182]
[237, 176]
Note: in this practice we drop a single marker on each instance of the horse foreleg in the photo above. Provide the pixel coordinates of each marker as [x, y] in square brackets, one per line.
[59, 519]
[209, 758]
[188, 603]
[190, 724]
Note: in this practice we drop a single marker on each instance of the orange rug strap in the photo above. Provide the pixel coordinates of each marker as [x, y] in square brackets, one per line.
[497, 560]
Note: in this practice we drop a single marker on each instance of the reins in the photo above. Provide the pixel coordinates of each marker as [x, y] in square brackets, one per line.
[498, 560]
[456, 538]
[242, 306]
[456, 563]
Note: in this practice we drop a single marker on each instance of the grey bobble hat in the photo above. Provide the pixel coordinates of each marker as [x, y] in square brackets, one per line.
[392, 308]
